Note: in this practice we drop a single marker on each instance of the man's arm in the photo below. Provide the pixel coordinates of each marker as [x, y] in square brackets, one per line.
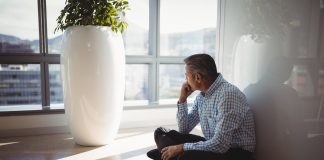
[186, 121]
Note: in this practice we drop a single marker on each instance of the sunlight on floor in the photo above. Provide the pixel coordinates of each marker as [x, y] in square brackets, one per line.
[120, 147]
[130, 144]
[3, 144]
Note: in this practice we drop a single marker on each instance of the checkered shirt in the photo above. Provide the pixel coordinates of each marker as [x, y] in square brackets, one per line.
[224, 115]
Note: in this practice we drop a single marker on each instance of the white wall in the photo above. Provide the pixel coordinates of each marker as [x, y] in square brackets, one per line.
[56, 123]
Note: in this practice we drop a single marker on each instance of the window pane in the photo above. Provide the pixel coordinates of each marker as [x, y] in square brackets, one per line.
[19, 26]
[172, 76]
[171, 79]
[136, 83]
[189, 31]
[54, 39]
[56, 92]
[20, 87]
[136, 35]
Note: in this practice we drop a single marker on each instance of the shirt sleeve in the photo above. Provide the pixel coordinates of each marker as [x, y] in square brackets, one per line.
[187, 121]
[227, 120]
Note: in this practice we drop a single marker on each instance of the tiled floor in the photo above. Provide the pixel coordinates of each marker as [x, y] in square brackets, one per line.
[130, 144]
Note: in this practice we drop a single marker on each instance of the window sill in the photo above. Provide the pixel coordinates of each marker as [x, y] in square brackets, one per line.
[59, 109]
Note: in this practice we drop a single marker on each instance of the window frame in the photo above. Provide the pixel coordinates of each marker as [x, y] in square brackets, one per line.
[153, 59]
[43, 58]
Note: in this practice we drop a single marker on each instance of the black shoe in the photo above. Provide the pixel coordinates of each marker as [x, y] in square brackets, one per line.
[158, 133]
[154, 154]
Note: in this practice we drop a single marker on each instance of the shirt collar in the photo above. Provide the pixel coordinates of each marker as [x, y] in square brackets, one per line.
[219, 80]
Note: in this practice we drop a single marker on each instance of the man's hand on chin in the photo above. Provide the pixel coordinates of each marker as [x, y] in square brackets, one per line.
[171, 151]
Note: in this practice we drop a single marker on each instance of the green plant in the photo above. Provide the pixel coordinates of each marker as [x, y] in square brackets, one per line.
[109, 13]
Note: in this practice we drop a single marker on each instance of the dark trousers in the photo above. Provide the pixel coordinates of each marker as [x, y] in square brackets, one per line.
[164, 138]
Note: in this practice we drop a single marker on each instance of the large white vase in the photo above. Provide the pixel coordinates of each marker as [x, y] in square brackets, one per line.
[251, 58]
[93, 64]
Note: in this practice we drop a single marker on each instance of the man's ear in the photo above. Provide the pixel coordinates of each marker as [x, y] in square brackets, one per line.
[198, 77]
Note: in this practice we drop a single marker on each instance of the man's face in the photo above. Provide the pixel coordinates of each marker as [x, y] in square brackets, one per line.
[190, 79]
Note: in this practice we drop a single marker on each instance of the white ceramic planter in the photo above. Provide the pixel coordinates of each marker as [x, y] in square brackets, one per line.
[251, 57]
[92, 65]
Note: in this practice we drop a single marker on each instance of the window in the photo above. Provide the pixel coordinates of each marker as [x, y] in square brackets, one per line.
[19, 27]
[136, 84]
[53, 9]
[157, 40]
[24, 58]
[164, 39]
[188, 31]
[136, 37]
[55, 83]
[20, 87]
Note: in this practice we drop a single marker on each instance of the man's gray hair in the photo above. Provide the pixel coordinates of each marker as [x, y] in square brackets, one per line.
[203, 64]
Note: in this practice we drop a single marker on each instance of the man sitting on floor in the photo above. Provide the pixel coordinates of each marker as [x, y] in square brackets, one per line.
[223, 112]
